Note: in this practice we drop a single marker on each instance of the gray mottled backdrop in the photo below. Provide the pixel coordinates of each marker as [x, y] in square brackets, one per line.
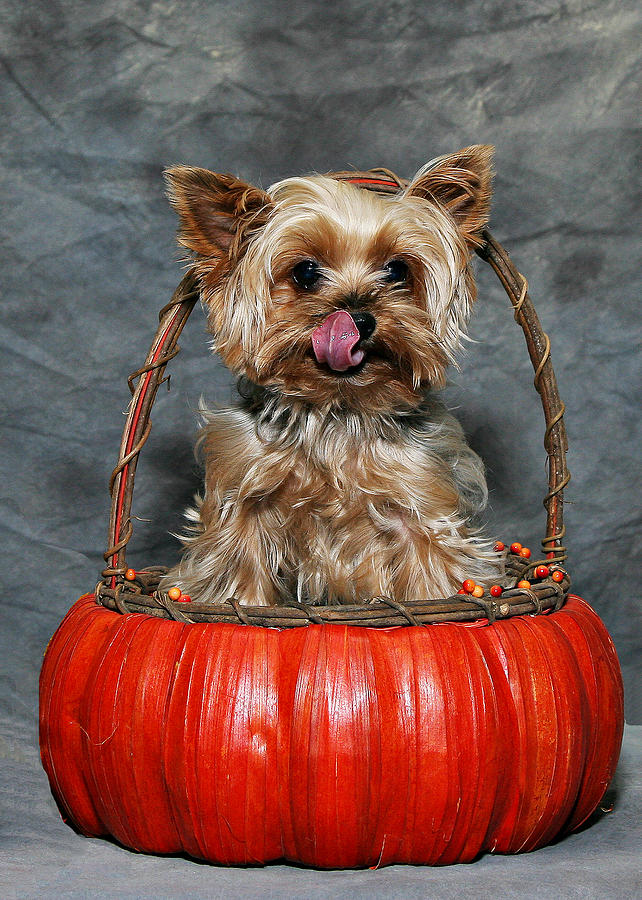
[96, 98]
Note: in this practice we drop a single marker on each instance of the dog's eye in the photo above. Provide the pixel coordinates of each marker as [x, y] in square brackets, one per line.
[396, 271]
[306, 274]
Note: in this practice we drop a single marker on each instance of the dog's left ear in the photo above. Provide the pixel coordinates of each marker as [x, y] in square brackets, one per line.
[461, 182]
[216, 211]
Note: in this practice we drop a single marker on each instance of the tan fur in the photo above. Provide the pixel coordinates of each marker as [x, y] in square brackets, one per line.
[335, 486]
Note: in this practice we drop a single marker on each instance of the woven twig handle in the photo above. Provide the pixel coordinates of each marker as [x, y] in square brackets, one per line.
[172, 319]
[539, 349]
[164, 347]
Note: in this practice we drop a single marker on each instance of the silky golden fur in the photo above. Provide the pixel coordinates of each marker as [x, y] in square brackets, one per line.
[328, 486]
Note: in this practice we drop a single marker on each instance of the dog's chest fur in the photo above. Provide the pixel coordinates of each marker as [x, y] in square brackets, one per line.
[340, 508]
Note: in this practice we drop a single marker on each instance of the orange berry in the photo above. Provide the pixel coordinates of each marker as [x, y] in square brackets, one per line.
[525, 553]
[515, 547]
[499, 546]
[558, 575]
[174, 593]
[525, 585]
[478, 591]
[130, 574]
[496, 591]
[542, 572]
[468, 585]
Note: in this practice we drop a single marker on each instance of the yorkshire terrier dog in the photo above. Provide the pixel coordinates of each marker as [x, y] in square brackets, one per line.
[339, 477]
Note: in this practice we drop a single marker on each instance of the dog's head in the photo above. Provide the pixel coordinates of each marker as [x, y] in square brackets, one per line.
[332, 294]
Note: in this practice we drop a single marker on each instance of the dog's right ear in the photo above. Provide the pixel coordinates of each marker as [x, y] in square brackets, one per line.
[216, 211]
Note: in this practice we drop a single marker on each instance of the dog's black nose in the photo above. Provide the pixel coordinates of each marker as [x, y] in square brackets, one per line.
[365, 322]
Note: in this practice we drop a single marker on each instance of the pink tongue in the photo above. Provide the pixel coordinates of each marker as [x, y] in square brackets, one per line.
[334, 340]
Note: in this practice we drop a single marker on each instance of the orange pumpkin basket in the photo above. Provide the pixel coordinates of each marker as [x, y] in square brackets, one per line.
[333, 736]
